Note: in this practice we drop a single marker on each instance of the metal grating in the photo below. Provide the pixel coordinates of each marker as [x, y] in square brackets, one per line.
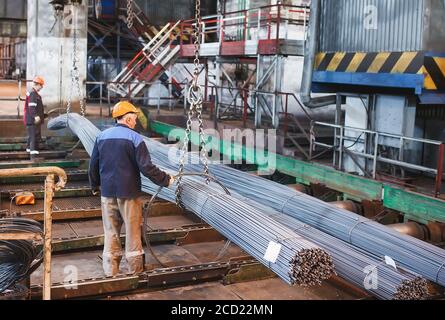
[61, 204]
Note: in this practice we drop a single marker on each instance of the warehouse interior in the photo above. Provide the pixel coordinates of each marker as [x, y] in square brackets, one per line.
[305, 138]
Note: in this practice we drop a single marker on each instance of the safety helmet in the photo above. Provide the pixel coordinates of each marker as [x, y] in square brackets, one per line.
[122, 108]
[39, 80]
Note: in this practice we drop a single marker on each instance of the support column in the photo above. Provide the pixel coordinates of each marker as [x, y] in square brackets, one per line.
[50, 50]
[259, 75]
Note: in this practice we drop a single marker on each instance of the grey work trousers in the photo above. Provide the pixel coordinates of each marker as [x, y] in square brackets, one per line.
[34, 136]
[115, 212]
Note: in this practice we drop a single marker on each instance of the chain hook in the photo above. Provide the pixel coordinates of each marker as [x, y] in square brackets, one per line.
[195, 97]
[75, 76]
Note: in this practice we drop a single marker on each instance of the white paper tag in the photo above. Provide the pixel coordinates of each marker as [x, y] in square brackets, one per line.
[389, 261]
[272, 252]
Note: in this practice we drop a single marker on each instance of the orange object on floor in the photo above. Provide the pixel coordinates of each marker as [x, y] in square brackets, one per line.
[24, 198]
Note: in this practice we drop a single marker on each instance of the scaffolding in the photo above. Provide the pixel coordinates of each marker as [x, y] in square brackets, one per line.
[255, 40]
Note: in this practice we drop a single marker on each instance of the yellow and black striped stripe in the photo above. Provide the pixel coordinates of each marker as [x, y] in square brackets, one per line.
[386, 62]
[434, 70]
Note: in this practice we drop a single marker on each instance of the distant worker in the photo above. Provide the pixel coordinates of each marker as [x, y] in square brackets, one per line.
[34, 116]
[118, 158]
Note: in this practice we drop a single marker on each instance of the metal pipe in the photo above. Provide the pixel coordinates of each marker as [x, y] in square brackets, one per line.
[5, 173]
[439, 175]
[436, 232]
[348, 206]
[49, 193]
[412, 229]
[309, 61]
[299, 187]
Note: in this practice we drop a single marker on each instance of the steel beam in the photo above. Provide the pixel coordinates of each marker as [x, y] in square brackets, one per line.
[28, 164]
[23, 155]
[78, 175]
[61, 215]
[156, 279]
[65, 245]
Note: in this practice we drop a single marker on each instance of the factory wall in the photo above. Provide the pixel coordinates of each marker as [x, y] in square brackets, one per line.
[12, 18]
[162, 12]
[13, 9]
[382, 25]
[50, 51]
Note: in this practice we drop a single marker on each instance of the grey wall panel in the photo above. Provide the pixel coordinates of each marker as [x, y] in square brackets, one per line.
[399, 26]
[162, 12]
[434, 31]
[13, 9]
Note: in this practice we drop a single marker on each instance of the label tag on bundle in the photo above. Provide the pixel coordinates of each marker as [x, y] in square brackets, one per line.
[390, 261]
[272, 252]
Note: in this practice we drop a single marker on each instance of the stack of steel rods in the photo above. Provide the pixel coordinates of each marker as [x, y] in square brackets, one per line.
[253, 187]
[350, 262]
[411, 254]
[299, 262]
[364, 270]
[17, 257]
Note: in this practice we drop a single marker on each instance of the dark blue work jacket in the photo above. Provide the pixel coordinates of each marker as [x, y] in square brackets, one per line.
[118, 158]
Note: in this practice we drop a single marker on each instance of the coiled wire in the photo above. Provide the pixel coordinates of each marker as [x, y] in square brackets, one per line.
[18, 257]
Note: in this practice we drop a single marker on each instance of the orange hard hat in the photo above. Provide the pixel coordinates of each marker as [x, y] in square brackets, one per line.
[122, 108]
[39, 80]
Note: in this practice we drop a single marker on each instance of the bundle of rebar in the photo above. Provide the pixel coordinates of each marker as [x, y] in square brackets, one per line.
[297, 261]
[364, 270]
[18, 257]
[410, 253]
[350, 261]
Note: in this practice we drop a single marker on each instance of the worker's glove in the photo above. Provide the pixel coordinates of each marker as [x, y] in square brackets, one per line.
[171, 181]
[37, 120]
[96, 192]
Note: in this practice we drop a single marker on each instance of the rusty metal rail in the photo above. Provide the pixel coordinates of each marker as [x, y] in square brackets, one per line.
[158, 278]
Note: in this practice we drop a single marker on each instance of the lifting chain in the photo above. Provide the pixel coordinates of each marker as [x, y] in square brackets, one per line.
[75, 76]
[195, 97]
[130, 14]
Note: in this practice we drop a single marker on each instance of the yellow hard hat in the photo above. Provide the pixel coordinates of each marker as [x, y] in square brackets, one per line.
[39, 80]
[122, 108]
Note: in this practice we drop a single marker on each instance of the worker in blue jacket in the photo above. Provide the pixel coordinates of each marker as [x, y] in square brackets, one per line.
[118, 158]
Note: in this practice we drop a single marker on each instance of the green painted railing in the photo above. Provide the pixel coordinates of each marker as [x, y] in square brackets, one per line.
[415, 206]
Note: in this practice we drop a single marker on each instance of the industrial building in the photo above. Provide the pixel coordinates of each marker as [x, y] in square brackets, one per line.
[295, 149]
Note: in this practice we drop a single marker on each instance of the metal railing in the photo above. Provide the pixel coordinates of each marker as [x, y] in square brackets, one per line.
[377, 140]
[264, 23]
[108, 97]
